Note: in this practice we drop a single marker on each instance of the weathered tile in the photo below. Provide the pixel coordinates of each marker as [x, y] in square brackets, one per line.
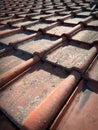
[59, 30]
[70, 56]
[38, 44]
[25, 94]
[15, 37]
[88, 36]
[81, 111]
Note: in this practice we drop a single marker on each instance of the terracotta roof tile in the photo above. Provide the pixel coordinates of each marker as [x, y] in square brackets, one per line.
[48, 65]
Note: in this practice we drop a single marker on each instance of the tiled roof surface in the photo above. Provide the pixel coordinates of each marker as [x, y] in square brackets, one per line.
[48, 65]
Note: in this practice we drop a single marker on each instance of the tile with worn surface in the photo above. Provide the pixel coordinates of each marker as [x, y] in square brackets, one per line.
[86, 13]
[54, 18]
[38, 26]
[15, 37]
[64, 13]
[23, 23]
[74, 20]
[30, 77]
[39, 16]
[70, 56]
[82, 112]
[59, 30]
[11, 19]
[38, 44]
[11, 60]
[27, 92]
[88, 36]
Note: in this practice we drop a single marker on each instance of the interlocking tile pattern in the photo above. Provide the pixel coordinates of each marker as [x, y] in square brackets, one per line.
[48, 65]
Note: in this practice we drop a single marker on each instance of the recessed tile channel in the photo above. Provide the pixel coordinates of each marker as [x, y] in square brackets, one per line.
[38, 44]
[6, 29]
[59, 30]
[88, 36]
[15, 37]
[12, 59]
[38, 26]
[70, 56]
[54, 18]
[74, 20]
[23, 23]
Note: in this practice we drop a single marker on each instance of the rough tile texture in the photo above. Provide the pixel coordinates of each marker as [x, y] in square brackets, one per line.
[38, 26]
[11, 60]
[23, 23]
[59, 30]
[82, 108]
[14, 37]
[54, 18]
[74, 20]
[70, 56]
[86, 36]
[38, 44]
[28, 79]
[36, 84]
